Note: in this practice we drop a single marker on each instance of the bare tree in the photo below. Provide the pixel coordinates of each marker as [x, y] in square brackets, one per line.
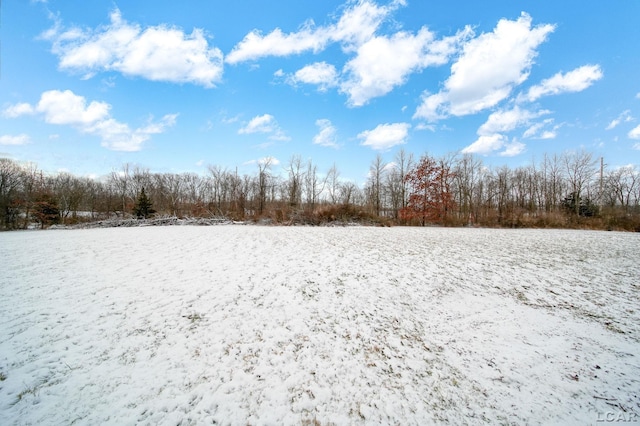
[621, 186]
[294, 184]
[31, 183]
[375, 184]
[313, 185]
[580, 169]
[9, 187]
[333, 184]
[264, 178]
[70, 192]
[120, 182]
[396, 183]
[222, 186]
[553, 182]
[348, 191]
[467, 172]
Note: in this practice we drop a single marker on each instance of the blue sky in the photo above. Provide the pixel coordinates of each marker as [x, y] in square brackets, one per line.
[176, 86]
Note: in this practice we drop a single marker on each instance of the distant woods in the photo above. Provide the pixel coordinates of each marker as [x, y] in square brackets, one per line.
[572, 190]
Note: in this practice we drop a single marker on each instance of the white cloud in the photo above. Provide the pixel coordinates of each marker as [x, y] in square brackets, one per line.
[424, 126]
[360, 22]
[279, 135]
[119, 137]
[265, 123]
[491, 134]
[512, 149]
[549, 134]
[385, 136]
[157, 53]
[635, 133]
[269, 160]
[320, 73]
[486, 144]
[390, 166]
[488, 69]
[17, 110]
[382, 62]
[357, 24]
[67, 108]
[538, 131]
[327, 134]
[624, 117]
[573, 81]
[276, 43]
[21, 139]
[506, 121]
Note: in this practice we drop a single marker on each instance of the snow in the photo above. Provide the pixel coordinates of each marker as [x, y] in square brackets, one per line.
[296, 325]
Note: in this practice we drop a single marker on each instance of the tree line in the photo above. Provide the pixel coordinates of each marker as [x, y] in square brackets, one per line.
[573, 189]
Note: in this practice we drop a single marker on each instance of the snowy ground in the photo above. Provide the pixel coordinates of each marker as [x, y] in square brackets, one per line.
[294, 325]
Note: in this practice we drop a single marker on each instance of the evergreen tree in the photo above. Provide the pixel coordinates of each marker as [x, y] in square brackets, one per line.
[143, 208]
[573, 203]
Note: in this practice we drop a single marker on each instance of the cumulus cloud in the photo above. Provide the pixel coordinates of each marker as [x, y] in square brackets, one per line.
[488, 69]
[382, 62]
[508, 120]
[118, 136]
[572, 81]
[157, 53]
[265, 123]
[491, 134]
[68, 108]
[635, 133]
[385, 136]
[17, 110]
[624, 117]
[488, 144]
[320, 73]
[513, 148]
[541, 130]
[327, 134]
[94, 118]
[276, 43]
[357, 24]
[259, 124]
[15, 140]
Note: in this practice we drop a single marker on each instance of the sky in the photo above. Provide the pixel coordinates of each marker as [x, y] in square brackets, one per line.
[178, 86]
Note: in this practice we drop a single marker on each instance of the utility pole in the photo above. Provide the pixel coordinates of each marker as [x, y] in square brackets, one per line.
[601, 181]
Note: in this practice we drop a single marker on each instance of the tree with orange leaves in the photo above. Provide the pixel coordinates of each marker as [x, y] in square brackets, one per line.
[430, 199]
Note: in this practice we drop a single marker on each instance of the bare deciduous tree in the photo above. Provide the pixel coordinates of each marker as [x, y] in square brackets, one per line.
[580, 169]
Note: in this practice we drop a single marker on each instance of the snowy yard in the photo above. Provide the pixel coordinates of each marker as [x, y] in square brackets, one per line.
[293, 325]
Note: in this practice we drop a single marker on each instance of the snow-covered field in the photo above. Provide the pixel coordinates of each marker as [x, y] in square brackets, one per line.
[317, 326]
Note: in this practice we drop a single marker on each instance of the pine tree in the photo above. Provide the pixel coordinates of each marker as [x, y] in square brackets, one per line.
[583, 206]
[143, 208]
